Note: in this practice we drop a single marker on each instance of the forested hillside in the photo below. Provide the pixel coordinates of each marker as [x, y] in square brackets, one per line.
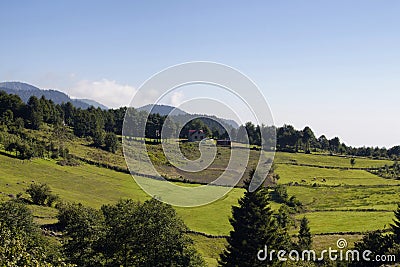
[15, 115]
[68, 193]
[25, 91]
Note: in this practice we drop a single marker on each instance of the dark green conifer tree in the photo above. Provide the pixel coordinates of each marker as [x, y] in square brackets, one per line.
[396, 225]
[253, 229]
[305, 238]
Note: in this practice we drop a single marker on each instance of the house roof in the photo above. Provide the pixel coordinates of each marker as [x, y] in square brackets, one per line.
[195, 131]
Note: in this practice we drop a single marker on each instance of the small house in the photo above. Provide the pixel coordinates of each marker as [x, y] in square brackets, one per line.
[196, 135]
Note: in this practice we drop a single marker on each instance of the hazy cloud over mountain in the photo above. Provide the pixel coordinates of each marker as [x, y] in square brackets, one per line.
[108, 92]
[176, 98]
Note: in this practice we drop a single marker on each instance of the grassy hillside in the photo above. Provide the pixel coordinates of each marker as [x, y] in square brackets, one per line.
[331, 177]
[344, 221]
[336, 199]
[94, 186]
[327, 160]
[290, 164]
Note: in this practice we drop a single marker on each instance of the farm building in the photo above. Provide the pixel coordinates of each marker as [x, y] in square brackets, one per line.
[224, 142]
[196, 135]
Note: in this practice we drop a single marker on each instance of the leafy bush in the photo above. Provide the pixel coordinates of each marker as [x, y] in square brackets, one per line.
[41, 194]
[141, 234]
[98, 138]
[69, 161]
[21, 243]
[111, 142]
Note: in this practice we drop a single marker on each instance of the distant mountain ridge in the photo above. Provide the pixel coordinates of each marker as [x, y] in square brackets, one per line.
[163, 110]
[25, 91]
[182, 116]
[18, 86]
[91, 102]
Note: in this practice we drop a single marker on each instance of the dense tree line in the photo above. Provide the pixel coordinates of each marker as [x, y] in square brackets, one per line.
[128, 233]
[388, 171]
[288, 139]
[91, 122]
[102, 126]
[125, 234]
[25, 146]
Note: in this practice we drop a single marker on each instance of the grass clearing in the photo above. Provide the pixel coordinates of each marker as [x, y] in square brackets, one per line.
[347, 198]
[310, 175]
[321, 242]
[337, 205]
[344, 221]
[209, 248]
[94, 186]
[327, 160]
[212, 218]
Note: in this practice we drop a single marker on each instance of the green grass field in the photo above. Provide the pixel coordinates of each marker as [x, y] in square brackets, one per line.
[344, 221]
[321, 176]
[347, 198]
[341, 200]
[94, 186]
[327, 160]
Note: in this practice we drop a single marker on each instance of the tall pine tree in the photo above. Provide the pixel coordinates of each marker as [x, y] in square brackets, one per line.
[253, 229]
[396, 225]
[305, 238]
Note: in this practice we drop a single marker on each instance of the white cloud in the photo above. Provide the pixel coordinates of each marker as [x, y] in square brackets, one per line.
[176, 98]
[107, 92]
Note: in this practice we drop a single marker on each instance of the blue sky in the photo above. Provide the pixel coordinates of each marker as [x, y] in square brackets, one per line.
[334, 66]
